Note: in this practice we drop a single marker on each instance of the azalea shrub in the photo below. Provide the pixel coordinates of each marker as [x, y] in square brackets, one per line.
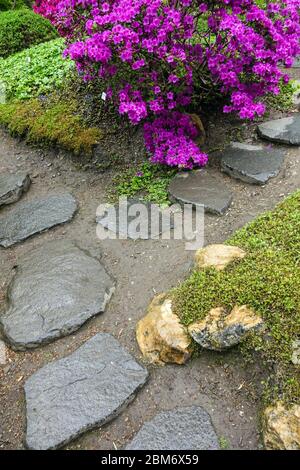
[153, 57]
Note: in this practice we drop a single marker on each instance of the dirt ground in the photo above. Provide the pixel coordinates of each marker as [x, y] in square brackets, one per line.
[227, 388]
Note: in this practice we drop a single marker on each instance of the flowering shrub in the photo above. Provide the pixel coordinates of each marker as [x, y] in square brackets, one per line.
[151, 54]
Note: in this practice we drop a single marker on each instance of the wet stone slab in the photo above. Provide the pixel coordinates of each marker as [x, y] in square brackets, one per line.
[12, 186]
[180, 429]
[199, 188]
[254, 164]
[80, 392]
[134, 219]
[35, 216]
[55, 289]
[284, 131]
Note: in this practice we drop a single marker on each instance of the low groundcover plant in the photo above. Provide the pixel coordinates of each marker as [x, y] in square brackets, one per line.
[153, 55]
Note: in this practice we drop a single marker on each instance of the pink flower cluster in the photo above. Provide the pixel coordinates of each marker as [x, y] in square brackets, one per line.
[151, 54]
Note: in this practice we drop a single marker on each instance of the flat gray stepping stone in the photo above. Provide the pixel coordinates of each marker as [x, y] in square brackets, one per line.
[85, 390]
[284, 131]
[35, 216]
[55, 289]
[252, 163]
[198, 187]
[180, 429]
[12, 186]
[135, 219]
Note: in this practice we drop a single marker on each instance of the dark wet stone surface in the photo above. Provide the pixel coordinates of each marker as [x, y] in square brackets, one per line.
[198, 187]
[180, 429]
[56, 288]
[35, 216]
[12, 186]
[80, 392]
[284, 131]
[252, 163]
[134, 219]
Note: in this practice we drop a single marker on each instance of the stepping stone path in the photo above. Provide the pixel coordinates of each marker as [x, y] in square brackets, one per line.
[180, 429]
[251, 163]
[56, 288]
[12, 186]
[132, 219]
[80, 392]
[284, 131]
[199, 188]
[35, 216]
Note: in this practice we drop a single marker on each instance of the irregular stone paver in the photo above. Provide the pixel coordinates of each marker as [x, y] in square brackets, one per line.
[252, 163]
[12, 186]
[198, 187]
[135, 219]
[285, 130]
[35, 216]
[56, 288]
[80, 392]
[180, 429]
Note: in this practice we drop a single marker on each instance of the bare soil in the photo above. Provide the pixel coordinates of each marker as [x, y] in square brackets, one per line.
[227, 387]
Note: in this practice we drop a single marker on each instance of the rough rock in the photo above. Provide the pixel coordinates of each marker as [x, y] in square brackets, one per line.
[296, 95]
[12, 186]
[161, 336]
[2, 353]
[296, 64]
[55, 289]
[35, 216]
[296, 352]
[281, 427]
[284, 131]
[200, 188]
[134, 219]
[218, 256]
[219, 331]
[187, 428]
[80, 392]
[254, 164]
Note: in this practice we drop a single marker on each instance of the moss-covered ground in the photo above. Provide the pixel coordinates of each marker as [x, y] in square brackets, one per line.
[268, 280]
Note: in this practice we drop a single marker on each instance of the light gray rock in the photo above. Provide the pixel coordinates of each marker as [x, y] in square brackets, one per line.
[254, 164]
[296, 64]
[80, 392]
[135, 219]
[198, 187]
[55, 289]
[12, 186]
[284, 131]
[180, 429]
[2, 353]
[35, 216]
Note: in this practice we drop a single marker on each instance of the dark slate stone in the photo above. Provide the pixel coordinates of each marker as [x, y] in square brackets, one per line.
[55, 289]
[12, 186]
[135, 219]
[35, 216]
[284, 131]
[198, 187]
[85, 390]
[252, 163]
[180, 429]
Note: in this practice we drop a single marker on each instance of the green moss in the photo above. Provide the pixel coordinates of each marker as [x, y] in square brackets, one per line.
[35, 71]
[53, 123]
[23, 28]
[146, 180]
[268, 280]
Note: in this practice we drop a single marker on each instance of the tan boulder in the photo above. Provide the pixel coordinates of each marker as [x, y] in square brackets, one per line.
[219, 330]
[161, 336]
[218, 256]
[281, 427]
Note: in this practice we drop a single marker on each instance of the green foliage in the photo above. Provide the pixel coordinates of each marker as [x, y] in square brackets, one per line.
[56, 122]
[268, 280]
[14, 4]
[148, 180]
[35, 71]
[20, 29]
[283, 101]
